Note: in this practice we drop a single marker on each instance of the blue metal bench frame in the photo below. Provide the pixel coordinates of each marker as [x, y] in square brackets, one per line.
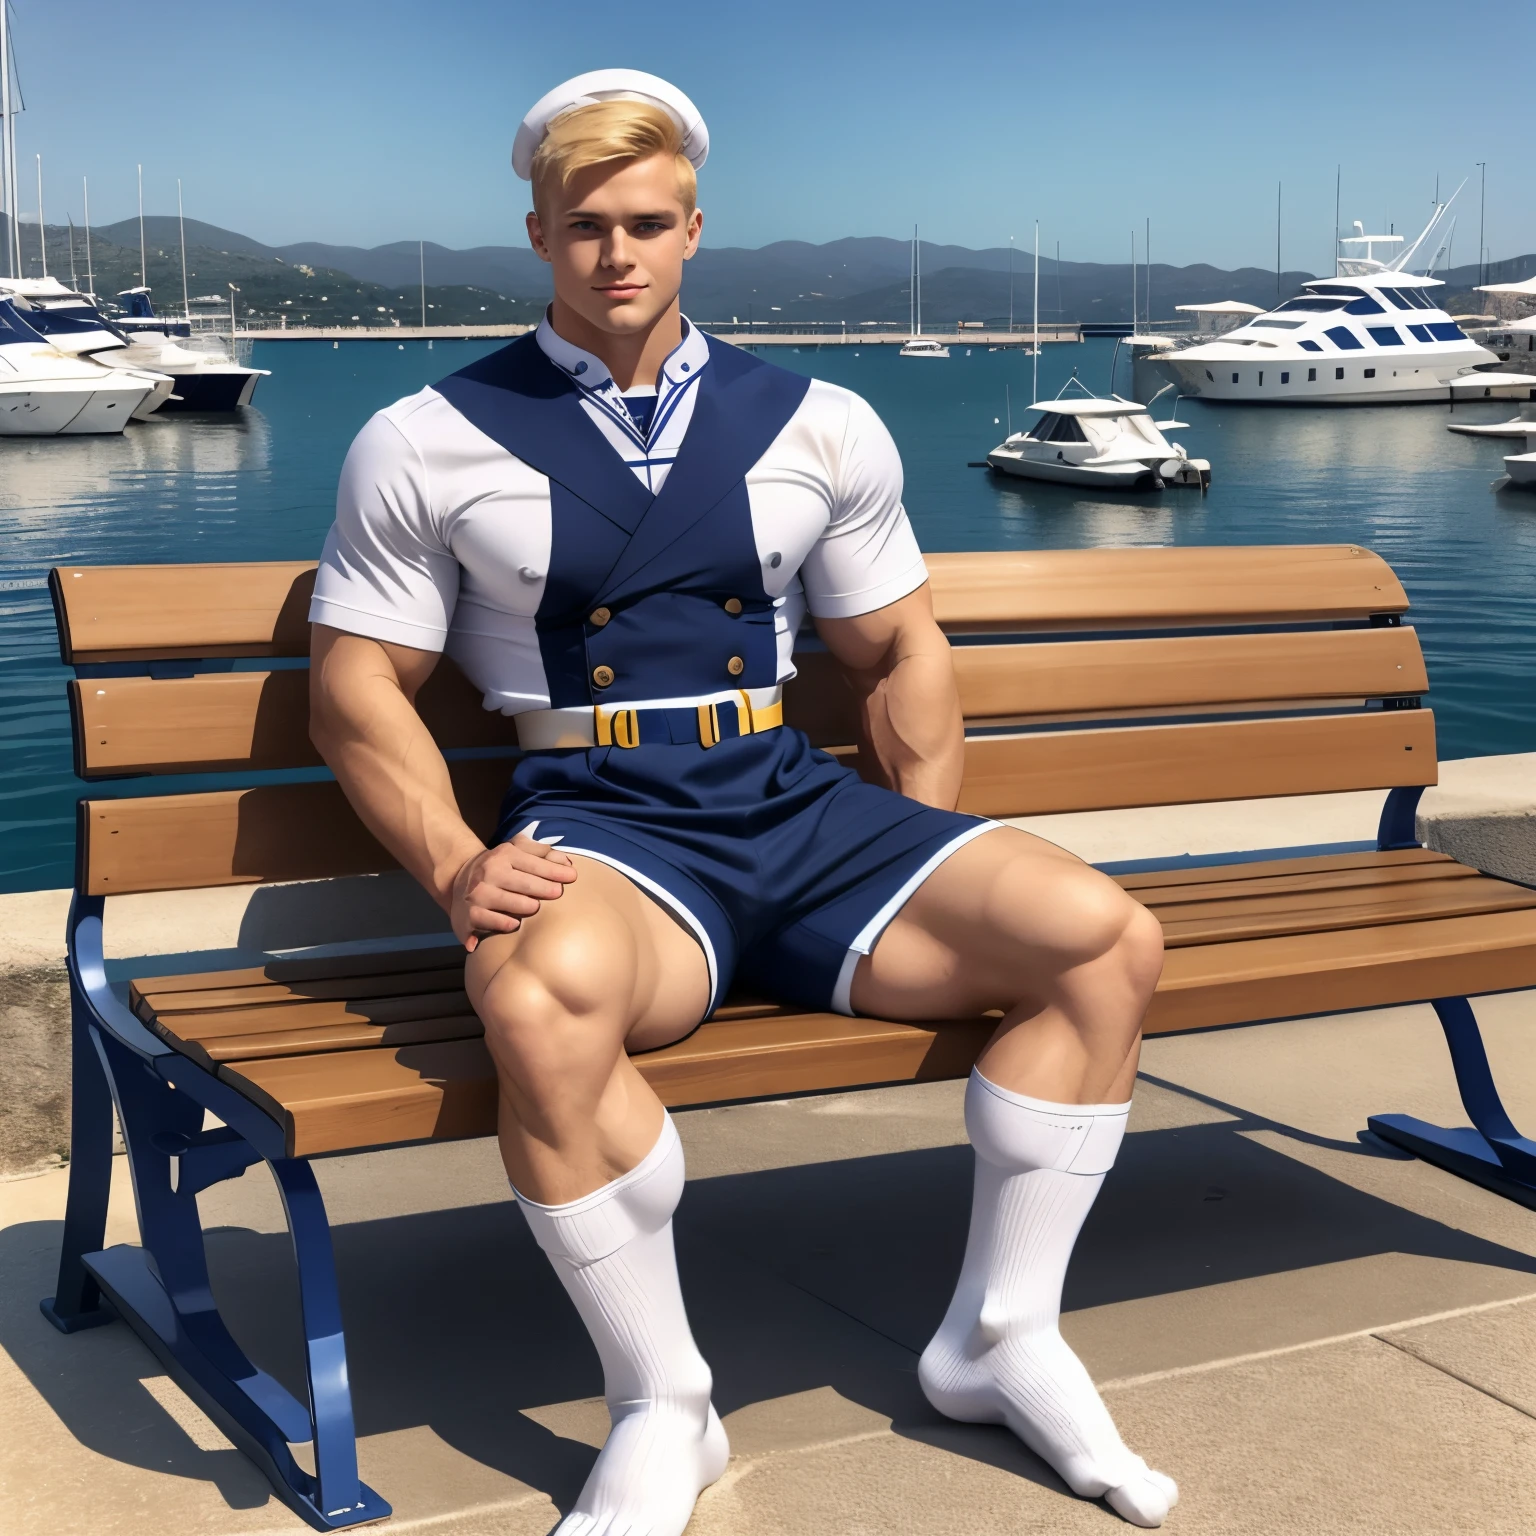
[161, 1290]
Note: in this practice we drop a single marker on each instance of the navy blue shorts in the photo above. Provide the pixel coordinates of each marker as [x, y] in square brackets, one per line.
[785, 865]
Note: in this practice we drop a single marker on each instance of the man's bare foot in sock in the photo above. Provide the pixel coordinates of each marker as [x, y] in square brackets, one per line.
[650, 1472]
[1037, 1386]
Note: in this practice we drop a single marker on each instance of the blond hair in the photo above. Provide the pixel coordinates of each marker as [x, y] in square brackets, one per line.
[606, 132]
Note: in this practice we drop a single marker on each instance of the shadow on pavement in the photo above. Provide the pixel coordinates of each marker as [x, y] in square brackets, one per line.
[826, 1275]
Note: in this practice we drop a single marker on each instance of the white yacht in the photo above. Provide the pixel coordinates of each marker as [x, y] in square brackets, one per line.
[1091, 441]
[1521, 425]
[917, 345]
[1371, 334]
[73, 325]
[205, 378]
[45, 392]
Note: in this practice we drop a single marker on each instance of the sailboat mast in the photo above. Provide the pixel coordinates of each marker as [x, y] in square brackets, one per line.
[1035, 344]
[1010, 285]
[1146, 256]
[421, 257]
[74, 282]
[912, 285]
[42, 229]
[90, 274]
[181, 227]
[917, 257]
[1133, 280]
[8, 148]
[143, 263]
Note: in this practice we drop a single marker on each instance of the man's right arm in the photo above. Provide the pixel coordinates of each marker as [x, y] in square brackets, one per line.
[363, 720]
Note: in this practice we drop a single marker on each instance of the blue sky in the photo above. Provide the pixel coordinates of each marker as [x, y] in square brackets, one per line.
[361, 123]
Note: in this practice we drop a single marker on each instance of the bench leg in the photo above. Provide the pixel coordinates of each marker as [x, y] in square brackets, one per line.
[76, 1302]
[162, 1292]
[1490, 1152]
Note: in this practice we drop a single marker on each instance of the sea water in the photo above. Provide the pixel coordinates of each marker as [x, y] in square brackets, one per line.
[260, 486]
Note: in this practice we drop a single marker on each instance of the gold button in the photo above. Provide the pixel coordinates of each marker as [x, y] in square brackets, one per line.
[735, 666]
[733, 605]
[602, 676]
[600, 616]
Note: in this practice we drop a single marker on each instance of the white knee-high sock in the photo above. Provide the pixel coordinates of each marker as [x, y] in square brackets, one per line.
[613, 1252]
[999, 1356]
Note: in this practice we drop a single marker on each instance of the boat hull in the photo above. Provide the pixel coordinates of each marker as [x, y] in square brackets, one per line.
[213, 389]
[1522, 469]
[1123, 477]
[1418, 386]
[73, 411]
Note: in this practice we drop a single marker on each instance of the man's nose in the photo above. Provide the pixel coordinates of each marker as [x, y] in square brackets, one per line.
[616, 250]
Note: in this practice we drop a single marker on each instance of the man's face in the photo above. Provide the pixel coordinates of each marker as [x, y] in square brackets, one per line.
[617, 238]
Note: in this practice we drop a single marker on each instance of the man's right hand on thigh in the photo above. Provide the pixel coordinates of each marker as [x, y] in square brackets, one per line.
[501, 886]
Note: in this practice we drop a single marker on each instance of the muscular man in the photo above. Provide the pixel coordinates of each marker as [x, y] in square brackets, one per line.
[616, 527]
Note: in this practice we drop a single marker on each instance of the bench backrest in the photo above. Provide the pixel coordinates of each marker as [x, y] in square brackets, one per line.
[1089, 679]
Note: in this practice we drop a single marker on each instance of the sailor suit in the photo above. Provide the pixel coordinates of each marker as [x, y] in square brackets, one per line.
[629, 583]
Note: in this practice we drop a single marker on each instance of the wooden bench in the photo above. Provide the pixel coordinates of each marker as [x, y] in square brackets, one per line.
[1090, 679]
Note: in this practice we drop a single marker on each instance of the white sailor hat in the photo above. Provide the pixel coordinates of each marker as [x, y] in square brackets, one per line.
[610, 85]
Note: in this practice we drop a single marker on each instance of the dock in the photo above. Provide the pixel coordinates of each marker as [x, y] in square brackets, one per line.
[738, 335]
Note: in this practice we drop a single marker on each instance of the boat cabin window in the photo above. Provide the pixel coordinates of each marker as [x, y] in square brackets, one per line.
[1364, 307]
[1446, 330]
[1310, 302]
[1348, 288]
[1344, 338]
[1398, 297]
[1385, 335]
[1310, 346]
[1056, 428]
[1279, 325]
[1421, 332]
[1421, 298]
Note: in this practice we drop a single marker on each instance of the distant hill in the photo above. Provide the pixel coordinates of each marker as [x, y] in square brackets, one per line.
[854, 279]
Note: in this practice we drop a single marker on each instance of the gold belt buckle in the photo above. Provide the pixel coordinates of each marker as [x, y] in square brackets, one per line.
[620, 728]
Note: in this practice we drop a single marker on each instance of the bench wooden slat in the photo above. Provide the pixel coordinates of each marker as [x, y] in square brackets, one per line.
[164, 612]
[374, 962]
[1147, 588]
[247, 836]
[351, 1036]
[1316, 886]
[148, 612]
[226, 1022]
[341, 988]
[1278, 978]
[1263, 869]
[1037, 774]
[1252, 917]
[230, 721]
[338, 1100]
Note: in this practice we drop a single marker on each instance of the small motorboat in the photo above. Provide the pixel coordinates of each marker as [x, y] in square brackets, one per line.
[1521, 469]
[923, 346]
[1092, 441]
[205, 378]
[47, 393]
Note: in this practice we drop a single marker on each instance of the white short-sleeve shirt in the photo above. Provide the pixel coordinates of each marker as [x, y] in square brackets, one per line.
[442, 538]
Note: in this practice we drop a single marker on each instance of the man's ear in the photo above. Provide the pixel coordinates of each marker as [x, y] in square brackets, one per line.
[536, 237]
[695, 226]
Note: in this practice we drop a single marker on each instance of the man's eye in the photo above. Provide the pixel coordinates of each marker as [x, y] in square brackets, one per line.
[583, 224]
[649, 226]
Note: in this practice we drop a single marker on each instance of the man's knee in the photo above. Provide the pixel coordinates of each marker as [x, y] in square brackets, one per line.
[553, 987]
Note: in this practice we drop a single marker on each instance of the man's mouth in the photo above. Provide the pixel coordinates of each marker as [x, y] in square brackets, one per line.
[621, 290]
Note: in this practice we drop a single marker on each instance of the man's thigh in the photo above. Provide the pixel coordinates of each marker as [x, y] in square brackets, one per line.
[1003, 908]
[603, 950]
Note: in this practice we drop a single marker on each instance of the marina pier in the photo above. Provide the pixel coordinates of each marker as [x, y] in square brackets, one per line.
[740, 335]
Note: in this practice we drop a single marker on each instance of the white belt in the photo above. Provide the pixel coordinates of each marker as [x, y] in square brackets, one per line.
[625, 725]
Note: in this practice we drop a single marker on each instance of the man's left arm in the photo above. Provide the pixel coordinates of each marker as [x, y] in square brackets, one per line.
[909, 717]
